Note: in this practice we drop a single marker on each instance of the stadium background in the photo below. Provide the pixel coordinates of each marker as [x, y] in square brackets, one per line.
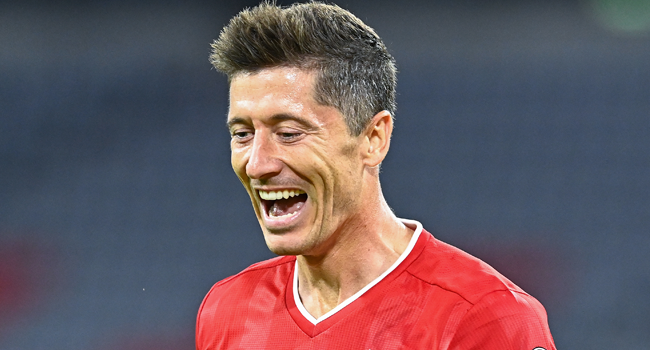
[522, 136]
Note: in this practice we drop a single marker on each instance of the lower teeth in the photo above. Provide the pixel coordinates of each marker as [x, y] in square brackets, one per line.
[281, 216]
[276, 209]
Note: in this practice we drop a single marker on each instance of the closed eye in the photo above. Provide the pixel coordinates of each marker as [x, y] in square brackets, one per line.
[290, 136]
[241, 136]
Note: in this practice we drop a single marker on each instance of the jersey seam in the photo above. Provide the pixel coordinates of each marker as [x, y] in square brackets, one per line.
[460, 295]
[504, 290]
[537, 317]
[473, 305]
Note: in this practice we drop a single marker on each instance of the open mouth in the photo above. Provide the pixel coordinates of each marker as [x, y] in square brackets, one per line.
[282, 204]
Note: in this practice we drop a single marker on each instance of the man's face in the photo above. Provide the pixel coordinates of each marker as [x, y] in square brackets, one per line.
[296, 158]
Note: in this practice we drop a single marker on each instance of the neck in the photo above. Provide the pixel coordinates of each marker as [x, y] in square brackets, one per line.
[367, 246]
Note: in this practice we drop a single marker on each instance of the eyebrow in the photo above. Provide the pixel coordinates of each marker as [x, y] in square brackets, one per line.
[276, 118]
[236, 120]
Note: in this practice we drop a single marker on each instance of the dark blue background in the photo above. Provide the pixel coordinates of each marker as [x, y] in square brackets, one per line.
[522, 136]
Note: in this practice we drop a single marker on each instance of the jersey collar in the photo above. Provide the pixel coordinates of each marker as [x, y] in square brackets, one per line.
[313, 326]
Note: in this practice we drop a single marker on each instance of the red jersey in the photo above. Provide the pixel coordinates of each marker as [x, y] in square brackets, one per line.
[434, 297]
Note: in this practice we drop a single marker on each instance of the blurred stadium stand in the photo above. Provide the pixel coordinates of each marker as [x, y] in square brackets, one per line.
[522, 136]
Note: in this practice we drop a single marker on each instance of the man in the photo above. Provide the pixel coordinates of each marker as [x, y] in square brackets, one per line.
[312, 94]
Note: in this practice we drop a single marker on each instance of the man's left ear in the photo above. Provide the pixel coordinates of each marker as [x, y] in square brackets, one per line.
[376, 138]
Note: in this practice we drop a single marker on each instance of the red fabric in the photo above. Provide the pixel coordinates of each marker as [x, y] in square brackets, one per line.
[439, 297]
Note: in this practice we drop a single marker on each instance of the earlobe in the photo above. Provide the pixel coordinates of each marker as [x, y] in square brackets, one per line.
[377, 136]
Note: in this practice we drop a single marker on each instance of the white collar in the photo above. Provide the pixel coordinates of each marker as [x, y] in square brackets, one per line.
[407, 251]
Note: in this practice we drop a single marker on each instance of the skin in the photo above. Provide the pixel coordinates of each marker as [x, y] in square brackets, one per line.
[345, 235]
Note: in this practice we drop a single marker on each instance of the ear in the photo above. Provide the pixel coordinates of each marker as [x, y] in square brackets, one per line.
[376, 139]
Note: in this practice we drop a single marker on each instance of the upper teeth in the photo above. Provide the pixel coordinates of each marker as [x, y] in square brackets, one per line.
[274, 195]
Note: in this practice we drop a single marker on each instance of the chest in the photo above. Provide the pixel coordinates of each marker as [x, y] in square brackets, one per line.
[405, 314]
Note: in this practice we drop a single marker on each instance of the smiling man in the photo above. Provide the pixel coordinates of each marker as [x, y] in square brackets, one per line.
[312, 95]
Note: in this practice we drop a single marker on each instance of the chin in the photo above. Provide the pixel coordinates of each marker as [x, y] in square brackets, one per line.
[284, 249]
[281, 245]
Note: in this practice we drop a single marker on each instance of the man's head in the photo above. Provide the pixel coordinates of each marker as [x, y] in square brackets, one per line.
[354, 71]
[310, 169]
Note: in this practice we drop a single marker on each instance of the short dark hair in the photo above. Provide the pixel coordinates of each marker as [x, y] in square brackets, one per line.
[355, 72]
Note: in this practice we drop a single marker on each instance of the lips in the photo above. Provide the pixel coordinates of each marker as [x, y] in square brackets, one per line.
[281, 206]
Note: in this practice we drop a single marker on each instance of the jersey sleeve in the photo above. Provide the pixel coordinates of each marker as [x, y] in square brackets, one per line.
[504, 320]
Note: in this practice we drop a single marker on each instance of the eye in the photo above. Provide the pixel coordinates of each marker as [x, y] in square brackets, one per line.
[289, 135]
[241, 135]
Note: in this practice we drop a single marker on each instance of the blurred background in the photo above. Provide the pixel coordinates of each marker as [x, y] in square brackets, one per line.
[522, 137]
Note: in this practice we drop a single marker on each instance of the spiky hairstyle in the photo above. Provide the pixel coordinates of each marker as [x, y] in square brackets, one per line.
[355, 72]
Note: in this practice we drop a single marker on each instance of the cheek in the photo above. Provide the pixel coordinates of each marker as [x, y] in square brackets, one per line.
[340, 180]
[347, 184]
[238, 161]
[328, 165]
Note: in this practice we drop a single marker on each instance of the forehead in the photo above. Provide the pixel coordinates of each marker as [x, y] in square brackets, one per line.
[290, 73]
[274, 94]
[278, 85]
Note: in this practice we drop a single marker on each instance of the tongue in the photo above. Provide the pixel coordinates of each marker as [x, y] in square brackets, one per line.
[287, 206]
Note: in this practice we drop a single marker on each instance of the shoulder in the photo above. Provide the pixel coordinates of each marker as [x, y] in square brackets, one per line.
[270, 274]
[230, 299]
[254, 270]
[265, 270]
[504, 319]
[458, 272]
[495, 311]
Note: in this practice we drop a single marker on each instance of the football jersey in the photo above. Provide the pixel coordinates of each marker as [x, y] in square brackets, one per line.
[435, 296]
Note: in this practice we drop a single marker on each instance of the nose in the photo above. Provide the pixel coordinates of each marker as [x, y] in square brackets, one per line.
[262, 160]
